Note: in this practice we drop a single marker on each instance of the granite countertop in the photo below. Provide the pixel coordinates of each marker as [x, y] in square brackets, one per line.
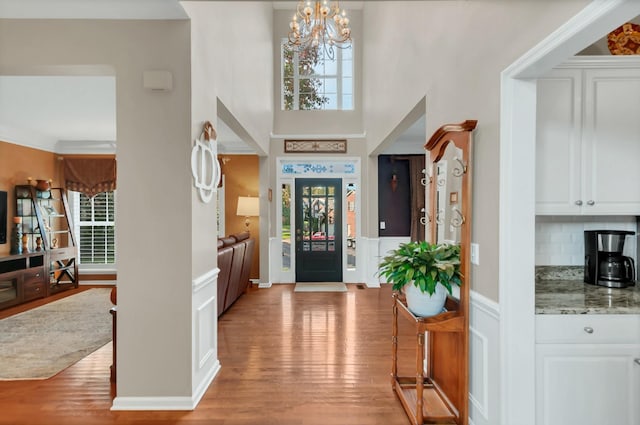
[560, 290]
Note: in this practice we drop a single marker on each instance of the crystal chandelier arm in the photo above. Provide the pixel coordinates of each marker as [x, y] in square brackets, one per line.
[319, 23]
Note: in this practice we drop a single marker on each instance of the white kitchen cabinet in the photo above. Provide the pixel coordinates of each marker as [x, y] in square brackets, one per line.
[586, 372]
[558, 143]
[588, 138]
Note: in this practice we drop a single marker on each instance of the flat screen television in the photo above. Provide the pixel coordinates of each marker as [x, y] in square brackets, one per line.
[3, 217]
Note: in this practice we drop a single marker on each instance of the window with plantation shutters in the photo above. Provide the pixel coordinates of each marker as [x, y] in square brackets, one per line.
[94, 223]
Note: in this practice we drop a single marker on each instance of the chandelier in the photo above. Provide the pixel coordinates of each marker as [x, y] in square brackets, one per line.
[319, 24]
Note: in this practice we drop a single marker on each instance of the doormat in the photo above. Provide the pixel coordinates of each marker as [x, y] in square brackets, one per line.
[320, 287]
[41, 342]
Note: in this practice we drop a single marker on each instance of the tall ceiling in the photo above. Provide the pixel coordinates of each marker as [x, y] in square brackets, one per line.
[61, 113]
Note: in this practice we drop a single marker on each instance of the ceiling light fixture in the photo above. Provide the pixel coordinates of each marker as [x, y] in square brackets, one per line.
[319, 24]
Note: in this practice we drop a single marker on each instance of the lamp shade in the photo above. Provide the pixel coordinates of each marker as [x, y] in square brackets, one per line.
[248, 206]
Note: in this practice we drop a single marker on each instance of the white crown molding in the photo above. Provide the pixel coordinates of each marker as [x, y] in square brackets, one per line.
[29, 139]
[601, 62]
[235, 149]
[70, 147]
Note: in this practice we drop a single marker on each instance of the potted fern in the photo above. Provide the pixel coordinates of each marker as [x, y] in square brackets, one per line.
[425, 272]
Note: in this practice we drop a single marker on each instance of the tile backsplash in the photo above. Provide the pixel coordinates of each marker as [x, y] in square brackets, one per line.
[560, 239]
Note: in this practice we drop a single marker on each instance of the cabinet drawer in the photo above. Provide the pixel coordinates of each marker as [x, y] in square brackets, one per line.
[62, 254]
[33, 289]
[33, 284]
[588, 328]
[35, 274]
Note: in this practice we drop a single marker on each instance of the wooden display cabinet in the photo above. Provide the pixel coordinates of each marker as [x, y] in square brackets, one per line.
[46, 228]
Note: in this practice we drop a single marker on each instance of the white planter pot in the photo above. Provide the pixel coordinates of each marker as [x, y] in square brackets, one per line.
[425, 305]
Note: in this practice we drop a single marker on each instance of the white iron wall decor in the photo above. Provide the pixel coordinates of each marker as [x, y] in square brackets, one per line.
[205, 167]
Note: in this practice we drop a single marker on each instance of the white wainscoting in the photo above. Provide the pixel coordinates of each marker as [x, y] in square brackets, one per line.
[376, 248]
[204, 333]
[204, 350]
[484, 361]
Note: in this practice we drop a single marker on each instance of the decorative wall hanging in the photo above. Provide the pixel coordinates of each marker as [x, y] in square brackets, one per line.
[315, 146]
[205, 167]
[624, 40]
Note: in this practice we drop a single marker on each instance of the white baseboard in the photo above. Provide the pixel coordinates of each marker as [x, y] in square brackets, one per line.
[167, 403]
[204, 385]
[153, 403]
[96, 282]
[264, 285]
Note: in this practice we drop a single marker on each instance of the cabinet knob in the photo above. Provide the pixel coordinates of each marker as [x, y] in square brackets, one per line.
[588, 329]
[591, 202]
[637, 361]
[578, 202]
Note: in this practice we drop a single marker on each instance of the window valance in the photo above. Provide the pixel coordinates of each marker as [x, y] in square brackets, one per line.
[90, 175]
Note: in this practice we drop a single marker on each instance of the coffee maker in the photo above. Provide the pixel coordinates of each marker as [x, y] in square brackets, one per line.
[604, 263]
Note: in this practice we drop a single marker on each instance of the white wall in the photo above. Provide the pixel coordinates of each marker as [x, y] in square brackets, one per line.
[154, 205]
[235, 67]
[452, 52]
[233, 61]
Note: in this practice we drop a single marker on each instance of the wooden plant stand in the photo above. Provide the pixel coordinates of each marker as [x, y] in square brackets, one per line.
[440, 395]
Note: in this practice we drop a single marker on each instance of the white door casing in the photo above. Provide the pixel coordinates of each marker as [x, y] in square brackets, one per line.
[349, 170]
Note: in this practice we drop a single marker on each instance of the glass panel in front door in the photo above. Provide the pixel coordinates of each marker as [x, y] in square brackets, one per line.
[318, 230]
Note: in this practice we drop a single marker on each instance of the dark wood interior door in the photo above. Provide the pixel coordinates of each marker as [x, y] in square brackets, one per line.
[318, 232]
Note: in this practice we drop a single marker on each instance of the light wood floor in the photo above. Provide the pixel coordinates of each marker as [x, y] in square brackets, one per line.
[287, 358]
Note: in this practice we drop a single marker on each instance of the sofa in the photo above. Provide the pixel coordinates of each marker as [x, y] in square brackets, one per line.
[235, 257]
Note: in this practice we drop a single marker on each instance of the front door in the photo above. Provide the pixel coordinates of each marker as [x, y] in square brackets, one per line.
[318, 233]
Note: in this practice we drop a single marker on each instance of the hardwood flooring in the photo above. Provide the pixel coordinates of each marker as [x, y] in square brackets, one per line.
[287, 359]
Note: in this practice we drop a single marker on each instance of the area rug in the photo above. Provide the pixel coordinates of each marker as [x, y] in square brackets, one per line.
[39, 343]
[320, 287]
